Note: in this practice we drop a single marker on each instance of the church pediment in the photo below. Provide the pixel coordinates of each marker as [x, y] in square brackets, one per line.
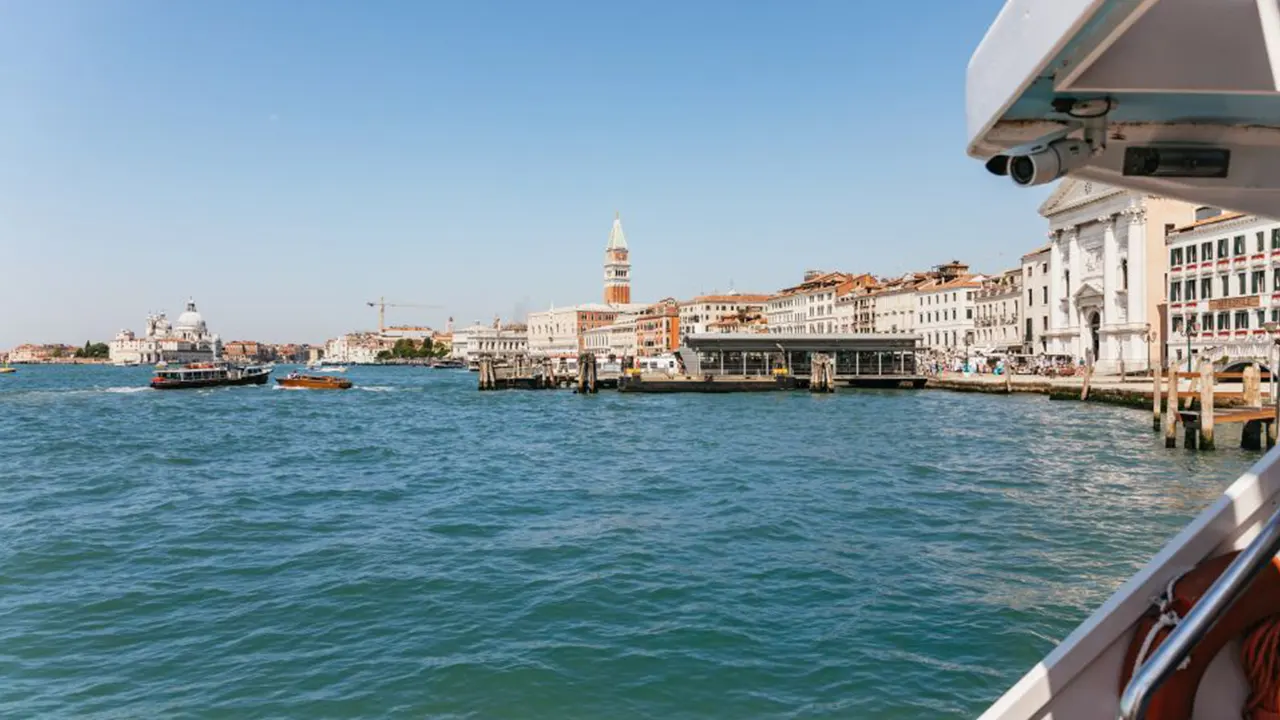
[1072, 192]
[1087, 290]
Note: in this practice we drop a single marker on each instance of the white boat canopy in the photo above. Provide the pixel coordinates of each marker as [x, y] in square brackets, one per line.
[1174, 97]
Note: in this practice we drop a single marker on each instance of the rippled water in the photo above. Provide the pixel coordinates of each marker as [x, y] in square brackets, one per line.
[414, 548]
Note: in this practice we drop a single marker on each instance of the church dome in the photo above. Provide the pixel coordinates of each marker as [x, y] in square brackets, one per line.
[190, 319]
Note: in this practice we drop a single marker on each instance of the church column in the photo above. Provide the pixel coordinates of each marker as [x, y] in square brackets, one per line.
[1138, 266]
[1108, 344]
[1056, 292]
[1074, 262]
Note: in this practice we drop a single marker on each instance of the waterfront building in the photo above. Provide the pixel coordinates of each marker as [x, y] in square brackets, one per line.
[29, 353]
[359, 348]
[698, 314]
[186, 340]
[895, 303]
[856, 308]
[810, 306]
[1107, 267]
[504, 342]
[997, 313]
[560, 332]
[744, 324]
[613, 341]
[1035, 300]
[617, 266]
[658, 328]
[944, 308]
[1224, 285]
[248, 351]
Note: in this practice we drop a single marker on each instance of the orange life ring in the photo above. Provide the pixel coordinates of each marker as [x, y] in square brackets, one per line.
[1175, 699]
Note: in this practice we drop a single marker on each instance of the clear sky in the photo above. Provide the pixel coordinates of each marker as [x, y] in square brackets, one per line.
[284, 162]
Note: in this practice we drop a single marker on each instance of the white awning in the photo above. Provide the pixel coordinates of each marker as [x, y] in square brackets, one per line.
[1169, 75]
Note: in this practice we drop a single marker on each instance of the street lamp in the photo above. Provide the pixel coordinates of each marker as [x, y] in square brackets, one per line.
[1193, 329]
[1273, 328]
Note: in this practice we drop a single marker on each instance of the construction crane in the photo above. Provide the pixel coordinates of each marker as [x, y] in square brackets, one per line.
[382, 306]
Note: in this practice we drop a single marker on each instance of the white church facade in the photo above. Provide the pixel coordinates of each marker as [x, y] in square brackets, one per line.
[1107, 268]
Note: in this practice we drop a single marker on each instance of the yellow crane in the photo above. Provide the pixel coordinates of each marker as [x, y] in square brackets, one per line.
[382, 306]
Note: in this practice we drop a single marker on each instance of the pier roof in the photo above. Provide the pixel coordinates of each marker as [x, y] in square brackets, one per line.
[755, 342]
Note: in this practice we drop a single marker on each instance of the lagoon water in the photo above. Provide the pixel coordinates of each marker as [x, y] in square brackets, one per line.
[413, 548]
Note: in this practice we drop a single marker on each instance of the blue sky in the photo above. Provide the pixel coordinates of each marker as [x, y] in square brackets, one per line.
[284, 162]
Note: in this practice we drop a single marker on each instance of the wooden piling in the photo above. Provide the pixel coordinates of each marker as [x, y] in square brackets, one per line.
[1252, 386]
[1206, 406]
[1008, 378]
[1171, 413]
[1088, 375]
[1251, 435]
[1155, 399]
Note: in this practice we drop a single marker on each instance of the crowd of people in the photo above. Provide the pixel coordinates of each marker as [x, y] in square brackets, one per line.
[937, 362]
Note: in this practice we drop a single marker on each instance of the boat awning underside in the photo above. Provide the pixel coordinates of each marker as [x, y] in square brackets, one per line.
[1200, 73]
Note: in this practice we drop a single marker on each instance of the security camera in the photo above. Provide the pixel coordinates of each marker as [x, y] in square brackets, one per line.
[1048, 162]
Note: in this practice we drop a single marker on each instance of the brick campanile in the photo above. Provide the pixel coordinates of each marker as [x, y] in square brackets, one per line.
[617, 268]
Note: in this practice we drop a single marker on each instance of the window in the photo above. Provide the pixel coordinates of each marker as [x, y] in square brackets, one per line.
[1191, 253]
[1030, 327]
[1224, 321]
[1206, 251]
[1044, 268]
[1124, 273]
[1177, 323]
[1045, 290]
[1242, 319]
[1045, 322]
[1240, 283]
[1206, 288]
[1206, 323]
[1175, 291]
[1238, 245]
[1275, 239]
[1031, 297]
[1175, 256]
[1262, 241]
[968, 314]
[1258, 282]
[1262, 314]
[1226, 286]
[1275, 314]
[1222, 248]
[1190, 290]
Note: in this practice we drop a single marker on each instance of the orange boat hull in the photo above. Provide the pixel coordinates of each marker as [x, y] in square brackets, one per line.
[312, 382]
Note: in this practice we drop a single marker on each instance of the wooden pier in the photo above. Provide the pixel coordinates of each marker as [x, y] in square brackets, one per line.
[1199, 411]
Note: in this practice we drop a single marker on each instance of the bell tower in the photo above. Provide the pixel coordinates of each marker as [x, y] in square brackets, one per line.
[617, 268]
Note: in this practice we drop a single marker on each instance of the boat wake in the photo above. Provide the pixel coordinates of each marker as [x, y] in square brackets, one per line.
[376, 388]
[126, 389]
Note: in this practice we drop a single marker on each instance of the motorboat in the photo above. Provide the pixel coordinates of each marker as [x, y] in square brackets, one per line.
[329, 369]
[449, 364]
[208, 374]
[314, 382]
[1177, 98]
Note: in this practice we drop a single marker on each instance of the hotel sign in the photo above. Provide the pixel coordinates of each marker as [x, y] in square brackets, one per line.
[1247, 301]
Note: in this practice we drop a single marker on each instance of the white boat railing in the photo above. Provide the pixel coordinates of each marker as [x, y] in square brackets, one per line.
[1164, 662]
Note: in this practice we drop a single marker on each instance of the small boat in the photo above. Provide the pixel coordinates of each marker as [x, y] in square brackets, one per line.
[314, 382]
[6, 370]
[332, 369]
[449, 365]
[210, 374]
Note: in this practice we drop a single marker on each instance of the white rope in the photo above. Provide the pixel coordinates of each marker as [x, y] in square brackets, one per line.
[1168, 619]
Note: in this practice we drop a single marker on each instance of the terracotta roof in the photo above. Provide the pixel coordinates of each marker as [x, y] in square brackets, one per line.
[1037, 251]
[736, 298]
[1225, 216]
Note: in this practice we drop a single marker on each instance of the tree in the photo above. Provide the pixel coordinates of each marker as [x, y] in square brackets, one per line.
[425, 350]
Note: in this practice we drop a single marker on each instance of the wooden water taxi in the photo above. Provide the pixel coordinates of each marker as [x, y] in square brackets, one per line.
[314, 382]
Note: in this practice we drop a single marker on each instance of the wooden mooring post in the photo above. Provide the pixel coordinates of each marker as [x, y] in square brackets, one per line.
[1205, 439]
[821, 374]
[1088, 375]
[1171, 412]
[1155, 399]
[587, 374]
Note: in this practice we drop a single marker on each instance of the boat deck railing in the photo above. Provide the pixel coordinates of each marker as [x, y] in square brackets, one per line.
[1233, 582]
